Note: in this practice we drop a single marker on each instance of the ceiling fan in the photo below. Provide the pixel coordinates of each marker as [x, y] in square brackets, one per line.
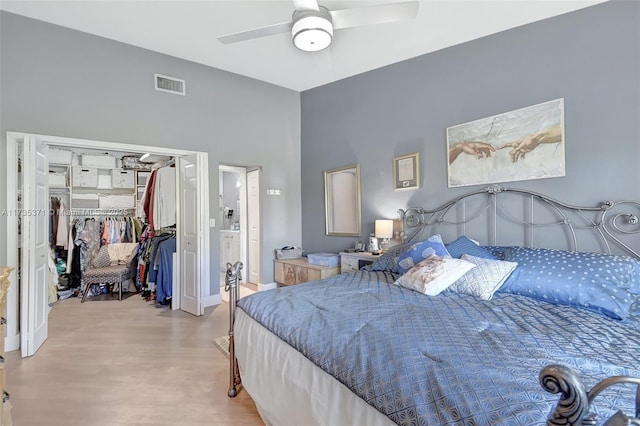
[312, 25]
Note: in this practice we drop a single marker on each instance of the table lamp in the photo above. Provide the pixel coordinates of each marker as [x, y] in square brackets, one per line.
[384, 231]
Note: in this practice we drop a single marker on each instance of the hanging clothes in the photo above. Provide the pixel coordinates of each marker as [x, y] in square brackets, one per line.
[164, 197]
[148, 204]
[62, 229]
[164, 278]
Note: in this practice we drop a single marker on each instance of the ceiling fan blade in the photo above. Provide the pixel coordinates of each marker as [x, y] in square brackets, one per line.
[380, 14]
[306, 4]
[282, 27]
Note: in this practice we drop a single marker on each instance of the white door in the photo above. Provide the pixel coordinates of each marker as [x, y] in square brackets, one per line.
[253, 223]
[35, 234]
[189, 236]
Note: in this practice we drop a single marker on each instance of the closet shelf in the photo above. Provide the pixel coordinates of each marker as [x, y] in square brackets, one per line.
[115, 211]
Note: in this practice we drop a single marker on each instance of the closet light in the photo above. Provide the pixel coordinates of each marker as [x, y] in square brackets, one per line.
[145, 156]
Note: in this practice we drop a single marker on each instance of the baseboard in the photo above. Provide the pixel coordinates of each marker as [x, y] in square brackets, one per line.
[269, 286]
[213, 300]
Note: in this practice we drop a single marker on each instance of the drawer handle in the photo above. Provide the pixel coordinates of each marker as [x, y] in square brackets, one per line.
[5, 396]
[3, 321]
[1, 359]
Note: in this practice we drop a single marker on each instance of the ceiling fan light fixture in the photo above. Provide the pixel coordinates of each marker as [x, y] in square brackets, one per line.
[312, 33]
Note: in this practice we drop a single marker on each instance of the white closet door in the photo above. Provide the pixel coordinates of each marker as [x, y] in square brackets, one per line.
[35, 224]
[190, 237]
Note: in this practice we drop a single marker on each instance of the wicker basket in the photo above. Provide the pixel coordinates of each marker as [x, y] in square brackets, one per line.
[293, 253]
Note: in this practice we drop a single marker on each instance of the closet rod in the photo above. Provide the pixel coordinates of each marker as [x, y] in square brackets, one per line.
[80, 212]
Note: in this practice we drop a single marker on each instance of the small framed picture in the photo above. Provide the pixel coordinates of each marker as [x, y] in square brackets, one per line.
[406, 172]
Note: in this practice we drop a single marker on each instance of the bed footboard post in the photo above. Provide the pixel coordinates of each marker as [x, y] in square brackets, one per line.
[232, 278]
[573, 405]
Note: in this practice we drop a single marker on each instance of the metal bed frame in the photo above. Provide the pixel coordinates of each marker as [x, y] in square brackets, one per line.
[232, 278]
[614, 224]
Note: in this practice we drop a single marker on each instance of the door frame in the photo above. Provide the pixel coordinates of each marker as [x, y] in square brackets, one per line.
[242, 174]
[12, 340]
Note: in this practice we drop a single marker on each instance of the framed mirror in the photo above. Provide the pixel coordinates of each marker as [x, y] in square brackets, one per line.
[342, 201]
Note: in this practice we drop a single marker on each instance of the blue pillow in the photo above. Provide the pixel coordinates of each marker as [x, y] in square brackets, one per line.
[464, 245]
[389, 260]
[422, 250]
[497, 251]
[595, 281]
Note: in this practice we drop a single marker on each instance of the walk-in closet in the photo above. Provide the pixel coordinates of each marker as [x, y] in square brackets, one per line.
[113, 224]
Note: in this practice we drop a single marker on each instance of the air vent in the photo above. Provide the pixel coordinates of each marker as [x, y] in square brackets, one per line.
[164, 83]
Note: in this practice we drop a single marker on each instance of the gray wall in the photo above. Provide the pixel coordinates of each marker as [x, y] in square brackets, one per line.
[61, 82]
[591, 58]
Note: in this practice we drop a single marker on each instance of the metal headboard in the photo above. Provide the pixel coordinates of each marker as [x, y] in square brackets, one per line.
[505, 216]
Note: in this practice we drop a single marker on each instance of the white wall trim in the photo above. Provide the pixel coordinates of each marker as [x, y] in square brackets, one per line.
[212, 300]
[12, 341]
[268, 286]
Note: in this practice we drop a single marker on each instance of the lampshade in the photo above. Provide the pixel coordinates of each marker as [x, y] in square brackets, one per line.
[383, 228]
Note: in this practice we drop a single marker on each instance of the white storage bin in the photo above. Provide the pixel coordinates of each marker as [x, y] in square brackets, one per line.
[59, 156]
[98, 161]
[84, 201]
[143, 177]
[123, 178]
[292, 253]
[84, 177]
[57, 179]
[117, 201]
[104, 179]
[323, 259]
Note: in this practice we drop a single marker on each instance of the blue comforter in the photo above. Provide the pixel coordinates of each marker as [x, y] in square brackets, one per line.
[450, 359]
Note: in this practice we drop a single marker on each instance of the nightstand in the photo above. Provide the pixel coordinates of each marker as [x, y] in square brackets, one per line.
[296, 271]
[352, 262]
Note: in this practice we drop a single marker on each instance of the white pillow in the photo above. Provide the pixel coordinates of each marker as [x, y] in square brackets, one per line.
[485, 279]
[434, 274]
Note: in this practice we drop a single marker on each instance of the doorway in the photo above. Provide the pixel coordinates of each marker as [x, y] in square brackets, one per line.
[240, 236]
[192, 245]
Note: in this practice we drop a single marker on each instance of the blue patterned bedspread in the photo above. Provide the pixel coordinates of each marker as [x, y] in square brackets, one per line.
[451, 359]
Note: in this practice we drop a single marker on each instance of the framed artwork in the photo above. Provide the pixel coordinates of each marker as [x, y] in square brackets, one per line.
[406, 172]
[522, 144]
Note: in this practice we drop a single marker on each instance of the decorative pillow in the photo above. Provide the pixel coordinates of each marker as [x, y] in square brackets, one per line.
[483, 280]
[418, 251]
[600, 282]
[133, 255]
[101, 259]
[389, 260]
[464, 245]
[434, 274]
[121, 252]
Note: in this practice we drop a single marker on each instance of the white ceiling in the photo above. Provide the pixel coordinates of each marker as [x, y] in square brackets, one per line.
[188, 30]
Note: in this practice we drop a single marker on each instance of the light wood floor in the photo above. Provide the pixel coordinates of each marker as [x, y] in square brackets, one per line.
[127, 363]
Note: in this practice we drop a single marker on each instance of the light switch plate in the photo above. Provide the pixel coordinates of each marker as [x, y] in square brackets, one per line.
[212, 223]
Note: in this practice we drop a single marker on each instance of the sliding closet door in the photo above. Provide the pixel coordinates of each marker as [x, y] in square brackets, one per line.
[35, 243]
[189, 222]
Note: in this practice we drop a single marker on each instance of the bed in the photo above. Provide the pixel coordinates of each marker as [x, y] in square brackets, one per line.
[518, 339]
